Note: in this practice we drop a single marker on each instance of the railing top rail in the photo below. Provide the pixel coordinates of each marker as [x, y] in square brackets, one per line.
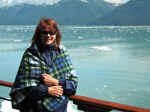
[107, 104]
[6, 83]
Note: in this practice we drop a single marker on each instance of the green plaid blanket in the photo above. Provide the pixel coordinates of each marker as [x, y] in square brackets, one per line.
[30, 70]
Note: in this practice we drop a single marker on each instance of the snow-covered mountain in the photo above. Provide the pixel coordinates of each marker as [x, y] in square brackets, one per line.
[63, 11]
[135, 12]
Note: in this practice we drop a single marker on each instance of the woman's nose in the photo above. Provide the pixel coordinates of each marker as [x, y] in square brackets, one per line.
[49, 35]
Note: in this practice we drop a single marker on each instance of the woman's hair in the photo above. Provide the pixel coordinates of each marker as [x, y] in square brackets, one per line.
[46, 24]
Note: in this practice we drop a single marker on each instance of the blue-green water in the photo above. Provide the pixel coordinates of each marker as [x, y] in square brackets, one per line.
[112, 62]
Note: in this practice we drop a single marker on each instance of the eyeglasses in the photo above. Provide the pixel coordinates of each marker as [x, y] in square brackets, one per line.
[48, 32]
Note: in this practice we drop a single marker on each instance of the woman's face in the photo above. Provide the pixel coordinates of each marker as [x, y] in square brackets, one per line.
[47, 37]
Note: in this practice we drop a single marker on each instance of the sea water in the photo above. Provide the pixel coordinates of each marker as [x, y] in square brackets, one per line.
[112, 62]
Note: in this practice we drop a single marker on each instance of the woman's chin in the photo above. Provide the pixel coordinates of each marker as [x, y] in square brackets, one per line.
[48, 43]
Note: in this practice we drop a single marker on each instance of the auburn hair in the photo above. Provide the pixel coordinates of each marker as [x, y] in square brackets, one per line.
[46, 24]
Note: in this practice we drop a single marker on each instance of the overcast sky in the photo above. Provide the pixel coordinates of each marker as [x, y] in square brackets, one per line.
[14, 2]
[50, 2]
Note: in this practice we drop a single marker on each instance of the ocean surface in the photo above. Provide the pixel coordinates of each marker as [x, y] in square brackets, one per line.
[112, 62]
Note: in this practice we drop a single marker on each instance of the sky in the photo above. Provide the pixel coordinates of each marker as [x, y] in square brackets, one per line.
[36, 2]
[50, 2]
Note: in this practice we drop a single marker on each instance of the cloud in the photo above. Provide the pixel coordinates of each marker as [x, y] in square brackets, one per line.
[85, 1]
[35, 2]
[116, 1]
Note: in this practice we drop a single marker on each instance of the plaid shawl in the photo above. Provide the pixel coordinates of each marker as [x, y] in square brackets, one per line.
[29, 74]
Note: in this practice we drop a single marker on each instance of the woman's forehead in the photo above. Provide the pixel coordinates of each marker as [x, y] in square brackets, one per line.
[48, 28]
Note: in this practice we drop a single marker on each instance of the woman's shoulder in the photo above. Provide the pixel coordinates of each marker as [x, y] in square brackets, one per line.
[29, 52]
[32, 49]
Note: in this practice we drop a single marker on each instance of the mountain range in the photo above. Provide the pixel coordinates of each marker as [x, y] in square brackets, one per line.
[77, 12]
[66, 12]
[135, 12]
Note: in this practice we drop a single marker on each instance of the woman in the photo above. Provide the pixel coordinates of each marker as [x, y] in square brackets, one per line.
[45, 78]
